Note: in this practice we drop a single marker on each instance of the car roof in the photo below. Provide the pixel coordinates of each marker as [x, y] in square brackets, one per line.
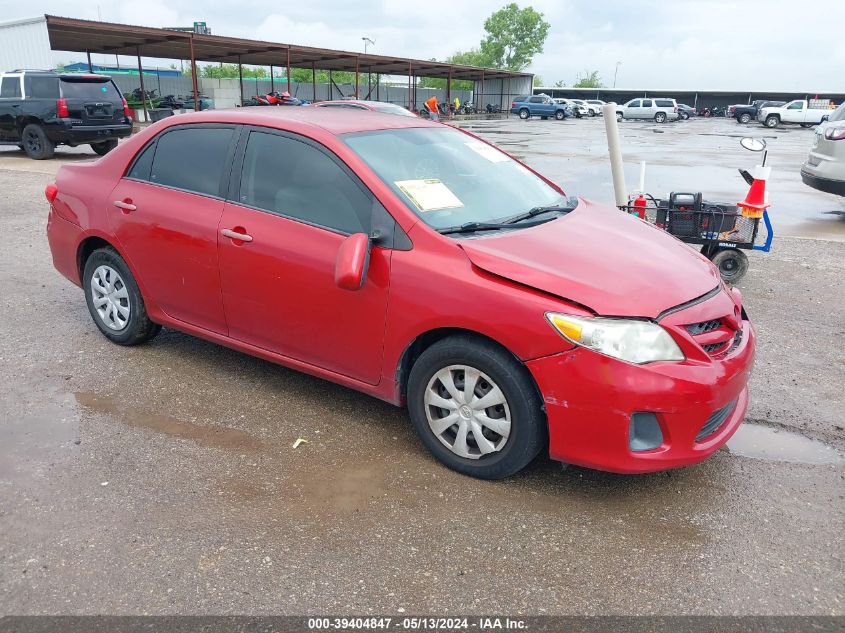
[332, 120]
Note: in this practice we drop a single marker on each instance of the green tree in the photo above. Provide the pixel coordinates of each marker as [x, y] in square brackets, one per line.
[538, 81]
[588, 79]
[514, 37]
[467, 58]
[560, 83]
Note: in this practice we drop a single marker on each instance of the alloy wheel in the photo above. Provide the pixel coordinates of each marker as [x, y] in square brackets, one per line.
[467, 411]
[33, 143]
[110, 297]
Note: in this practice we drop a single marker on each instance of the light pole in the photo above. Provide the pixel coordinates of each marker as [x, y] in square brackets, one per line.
[368, 41]
[616, 72]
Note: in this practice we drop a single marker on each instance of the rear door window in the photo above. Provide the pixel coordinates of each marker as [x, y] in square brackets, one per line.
[10, 88]
[90, 90]
[192, 158]
[646, 103]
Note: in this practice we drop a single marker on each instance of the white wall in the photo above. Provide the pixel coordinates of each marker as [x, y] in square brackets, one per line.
[25, 44]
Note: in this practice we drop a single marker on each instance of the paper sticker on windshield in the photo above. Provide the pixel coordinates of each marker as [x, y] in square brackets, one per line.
[488, 152]
[429, 194]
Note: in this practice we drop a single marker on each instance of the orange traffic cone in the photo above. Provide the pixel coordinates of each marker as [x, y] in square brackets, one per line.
[755, 201]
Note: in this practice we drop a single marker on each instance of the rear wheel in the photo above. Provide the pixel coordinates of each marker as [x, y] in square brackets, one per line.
[660, 117]
[744, 118]
[104, 147]
[732, 264]
[476, 408]
[35, 142]
[524, 114]
[114, 300]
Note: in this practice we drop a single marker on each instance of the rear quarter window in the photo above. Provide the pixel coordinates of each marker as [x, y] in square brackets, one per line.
[41, 87]
[664, 103]
[10, 88]
[838, 114]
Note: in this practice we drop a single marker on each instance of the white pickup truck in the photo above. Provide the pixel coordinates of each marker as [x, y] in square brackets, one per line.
[798, 111]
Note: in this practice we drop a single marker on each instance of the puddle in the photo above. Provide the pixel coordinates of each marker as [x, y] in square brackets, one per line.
[208, 436]
[764, 442]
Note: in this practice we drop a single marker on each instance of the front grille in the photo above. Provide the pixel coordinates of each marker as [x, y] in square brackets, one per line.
[713, 347]
[705, 326]
[716, 419]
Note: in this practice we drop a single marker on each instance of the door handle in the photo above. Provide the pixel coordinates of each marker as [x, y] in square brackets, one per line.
[126, 206]
[243, 237]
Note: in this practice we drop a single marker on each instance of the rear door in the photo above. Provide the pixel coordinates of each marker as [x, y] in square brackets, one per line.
[92, 99]
[165, 213]
[648, 109]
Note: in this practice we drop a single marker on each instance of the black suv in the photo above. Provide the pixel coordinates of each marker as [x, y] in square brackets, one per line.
[40, 109]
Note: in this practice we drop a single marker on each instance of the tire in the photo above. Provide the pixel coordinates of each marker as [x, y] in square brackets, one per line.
[806, 125]
[744, 118]
[660, 117]
[498, 371]
[732, 264]
[560, 115]
[772, 121]
[683, 116]
[105, 147]
[618, 116]
[524, 114]
[106, 269]
[35, 142]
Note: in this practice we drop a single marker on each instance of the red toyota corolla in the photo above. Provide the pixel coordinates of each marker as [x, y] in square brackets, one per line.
[418, 264]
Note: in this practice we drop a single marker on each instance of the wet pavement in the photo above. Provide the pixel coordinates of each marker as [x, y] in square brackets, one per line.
[163, 479]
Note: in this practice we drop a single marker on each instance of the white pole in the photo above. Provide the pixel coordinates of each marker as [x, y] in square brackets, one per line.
[612, 128]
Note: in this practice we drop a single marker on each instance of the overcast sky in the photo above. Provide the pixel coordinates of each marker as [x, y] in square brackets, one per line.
[673, 44]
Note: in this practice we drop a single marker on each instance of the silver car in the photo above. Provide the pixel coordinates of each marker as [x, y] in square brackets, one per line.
[824, 168]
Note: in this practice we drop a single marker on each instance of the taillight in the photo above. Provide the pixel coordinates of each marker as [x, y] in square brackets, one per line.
[513, 104]
[61, 109]
[126, 111]
[834, 133]
[676, 108]
[51, 191]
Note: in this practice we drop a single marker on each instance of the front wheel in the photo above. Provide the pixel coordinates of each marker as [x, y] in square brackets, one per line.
[524, 114]
[732, 264]
[475, 407]
[104, 147]
[114, 300]
[660, 117]
[560, 115]
[772, 121]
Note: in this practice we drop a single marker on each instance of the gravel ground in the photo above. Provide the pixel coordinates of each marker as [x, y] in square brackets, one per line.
[162, 479]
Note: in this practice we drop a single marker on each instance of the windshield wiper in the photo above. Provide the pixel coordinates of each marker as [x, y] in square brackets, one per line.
[531, 213]
[472, 227]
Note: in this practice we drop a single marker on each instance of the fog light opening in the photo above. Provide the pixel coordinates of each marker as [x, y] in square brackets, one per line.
[644, 433]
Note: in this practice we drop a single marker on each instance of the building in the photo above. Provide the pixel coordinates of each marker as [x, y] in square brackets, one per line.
[25, 44]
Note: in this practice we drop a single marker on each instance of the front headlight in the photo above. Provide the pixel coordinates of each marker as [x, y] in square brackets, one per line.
[626, 339]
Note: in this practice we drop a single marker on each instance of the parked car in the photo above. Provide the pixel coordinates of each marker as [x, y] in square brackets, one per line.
[572, 108]
[658, 110]
[542, 106]
[745, 113]
[40, 109]
[421, 265]
[685, 111]
[797, 111]
[592, 110]
[360, 104]
[824, 168]
[598, 103]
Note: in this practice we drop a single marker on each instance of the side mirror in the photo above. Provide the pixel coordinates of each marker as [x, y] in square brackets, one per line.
[753, 144]
[353, 259]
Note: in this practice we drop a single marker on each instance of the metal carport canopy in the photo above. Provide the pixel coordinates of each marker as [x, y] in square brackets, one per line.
[89, 36]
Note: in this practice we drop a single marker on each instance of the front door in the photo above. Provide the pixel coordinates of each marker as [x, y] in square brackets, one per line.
[297, 203]
[165, 214]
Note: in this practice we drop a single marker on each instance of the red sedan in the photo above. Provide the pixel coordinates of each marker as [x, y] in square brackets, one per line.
[418, 264]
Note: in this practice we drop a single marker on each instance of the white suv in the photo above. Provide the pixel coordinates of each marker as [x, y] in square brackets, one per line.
[658, 110]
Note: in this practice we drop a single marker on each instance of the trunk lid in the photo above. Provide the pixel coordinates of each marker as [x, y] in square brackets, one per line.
[602, 258]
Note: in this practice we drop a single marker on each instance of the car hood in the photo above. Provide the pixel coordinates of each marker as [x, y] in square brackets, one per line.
[600, 257]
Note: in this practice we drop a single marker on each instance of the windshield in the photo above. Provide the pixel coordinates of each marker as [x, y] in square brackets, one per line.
[449, 178]
[389, 108]
[838, 114]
